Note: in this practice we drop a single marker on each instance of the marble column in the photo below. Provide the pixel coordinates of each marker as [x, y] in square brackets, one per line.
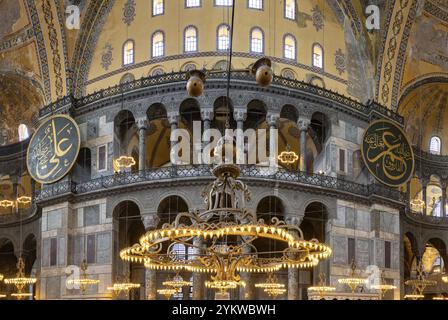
[424, 196]
[150, 222]
[207, 117]
[198, 278]
[173, 120]
[272, 121]
[443, 199]
[142, 126]
[293, 273]
[303, 125]
[240, 115]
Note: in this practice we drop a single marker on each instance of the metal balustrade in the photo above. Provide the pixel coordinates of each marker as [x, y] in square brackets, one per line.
[196, 171]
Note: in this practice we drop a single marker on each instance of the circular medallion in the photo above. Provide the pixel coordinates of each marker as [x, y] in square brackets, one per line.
[387, 153]
[53, 149]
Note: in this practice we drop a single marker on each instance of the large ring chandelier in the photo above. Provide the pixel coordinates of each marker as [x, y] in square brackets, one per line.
[21, 281]
[230, 237]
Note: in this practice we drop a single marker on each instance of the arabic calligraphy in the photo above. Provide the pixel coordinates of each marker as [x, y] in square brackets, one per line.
[53, 149]
[387, 153]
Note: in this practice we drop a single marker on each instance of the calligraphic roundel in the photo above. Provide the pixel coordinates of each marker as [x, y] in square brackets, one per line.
[53, 149]
[387, 153]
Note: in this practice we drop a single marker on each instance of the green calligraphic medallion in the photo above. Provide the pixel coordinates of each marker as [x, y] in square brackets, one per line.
[53, 149]
[387, 153]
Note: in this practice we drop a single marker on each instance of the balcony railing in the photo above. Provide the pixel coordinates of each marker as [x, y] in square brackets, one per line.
[429, 219]
[329, 183]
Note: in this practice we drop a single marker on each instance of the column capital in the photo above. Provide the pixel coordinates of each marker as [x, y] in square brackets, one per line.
[303, 123]
[294, 219]
[142, 123]
[150, 221]
[240, 114]
[207, 114]
[173, 118]
[272, 119]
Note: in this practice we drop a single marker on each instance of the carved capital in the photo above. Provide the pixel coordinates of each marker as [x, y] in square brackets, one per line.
[150, 221]
[207, 114]
[303, 124]
[272, 119]
[240, 115]
[142, 123]
[173, 118]
[293, 220]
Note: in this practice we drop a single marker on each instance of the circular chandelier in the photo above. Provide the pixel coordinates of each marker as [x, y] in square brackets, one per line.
[275, 292]
[441, 297]
[177, 282]
[24, 200]
[353, 281]
[322, 288]
[417, 205]
[272, 287]
[6, 204]
[83, 282]
[383, 286]
[21, 280]
[124, 162]
[125, 286]
[420, 283]
[226, 228]
[414, 296]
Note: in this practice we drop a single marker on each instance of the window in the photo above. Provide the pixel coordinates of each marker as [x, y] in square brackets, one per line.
[189, 67]
[435, 145]
[53, 251]
[180, 251]
[387, 254]
[350, 250]
[157, 7]
[157, 72]
[126, 78]
[91, 248]
[191, 39]
[255, 4]
[288, 74]
[289, 47]
[342, 160]
[318, 56]
[226, 3]
[223, 37]
[102, 158]
[23, 132]
[158, 44]
[128, 52]
[256, 40]
[290, 9]
[192, 3]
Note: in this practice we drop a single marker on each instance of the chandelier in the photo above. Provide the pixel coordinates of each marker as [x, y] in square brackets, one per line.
[445, 278]
[322, 288]
[167, 292]
[24, 200]
[275, 292]
[177, 282]
[225, 228]
[288, 157]
[6, 204]
[124, 162]
[417, 205]
[272, 287]
[353, 281]
[125, 286]
[83, 282]
[420, 283]
[441, 297]
[21, 280]
[383, 286]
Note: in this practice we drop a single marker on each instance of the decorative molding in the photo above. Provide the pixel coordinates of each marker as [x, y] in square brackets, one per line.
[318, 18]
[340, 61]
[17, 39]
[54, 45]
[214, 54]
[106, 57]
[129, 12]
[41, 50]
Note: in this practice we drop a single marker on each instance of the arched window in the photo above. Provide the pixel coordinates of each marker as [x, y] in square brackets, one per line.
[288, 74]
[158, 44]
[290, 9]
[23, 132]
[318, 56]
[192, 3]
[191, 39]
[289, 47]
[435, 145]
[157, 7]
[157, 72]
[223, 37]
[256, 40]
[189, 66]
[128, 77]
[128, 52]
[255, 4]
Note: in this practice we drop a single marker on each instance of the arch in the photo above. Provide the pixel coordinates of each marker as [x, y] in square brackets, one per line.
[314, 220]
[318, 58]
[256, 40]
[29, 252]
[223, 108]
[8, 259]
[289, 47]
[319, 129]
[158, 44]
[290, 9]
[435, 145]
[170, 206]
[256, 114]
[191, 39]
[223, 37]
[126, 78]
[189, 66]
[288, 74]
[269, 207]
[128, 52]
[190, 111]
[157, 71]
[125, 134]
[289, 112]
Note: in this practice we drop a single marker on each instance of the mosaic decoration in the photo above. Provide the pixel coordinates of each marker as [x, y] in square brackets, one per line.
[129, 12]
[106, 57]
[387, 153]
[340, 61]
[318, 18]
